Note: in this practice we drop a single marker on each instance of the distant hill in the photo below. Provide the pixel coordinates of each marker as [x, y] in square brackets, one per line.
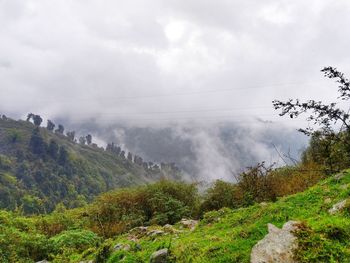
[40, 168]
[205, 151]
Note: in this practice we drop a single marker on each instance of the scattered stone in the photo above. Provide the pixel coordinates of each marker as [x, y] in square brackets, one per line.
[160, 256]
[339, 176]
[127, 247]
[337, 207]
[139, 230]
[189, 223]
[155, 232]
[170, 229]
[120, 246]
[277, 246]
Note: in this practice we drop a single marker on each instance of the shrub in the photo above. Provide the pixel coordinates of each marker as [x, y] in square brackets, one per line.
[221, 194]
[78, 240]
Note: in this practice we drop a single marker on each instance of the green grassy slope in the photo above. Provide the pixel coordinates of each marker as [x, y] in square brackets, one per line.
[229, 235]
[39, 183]
[221, 236]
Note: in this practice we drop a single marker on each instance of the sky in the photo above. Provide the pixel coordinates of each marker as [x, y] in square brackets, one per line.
[147, 62]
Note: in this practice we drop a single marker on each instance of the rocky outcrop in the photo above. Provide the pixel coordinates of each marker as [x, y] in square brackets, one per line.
[160, 256]
[277, 246]
[337, 207]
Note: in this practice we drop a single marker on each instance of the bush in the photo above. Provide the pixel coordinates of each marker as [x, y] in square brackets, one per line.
[78, 240]
[221, 194]
[161, 203]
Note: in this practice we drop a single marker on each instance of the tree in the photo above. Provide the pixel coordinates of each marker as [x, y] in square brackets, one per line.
[129, 156]
[36, 119]
[82, 140]
[88, 139]
[329, 147]
[29, 116]
[60, 129]
[50, 125]
[36, 143]
[53, 149]
[322, 115]
[63, 156]
[71, 136]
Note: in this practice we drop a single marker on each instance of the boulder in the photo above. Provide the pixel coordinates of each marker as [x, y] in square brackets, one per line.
[277, 246]
[160, 256]
[189, 223]
[337, 207]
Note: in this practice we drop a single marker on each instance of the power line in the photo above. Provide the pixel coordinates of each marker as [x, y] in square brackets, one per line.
[209, 91]
[194, 111]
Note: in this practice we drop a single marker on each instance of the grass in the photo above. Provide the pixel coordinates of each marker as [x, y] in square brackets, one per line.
[229, 235]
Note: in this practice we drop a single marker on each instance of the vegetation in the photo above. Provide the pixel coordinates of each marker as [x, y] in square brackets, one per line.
[40, 169]
[329, 145]
[44, 171]
[223, 235]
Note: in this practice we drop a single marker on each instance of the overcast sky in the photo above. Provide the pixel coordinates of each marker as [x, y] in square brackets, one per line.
[147, 61]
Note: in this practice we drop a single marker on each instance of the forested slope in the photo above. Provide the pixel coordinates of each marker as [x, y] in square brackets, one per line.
[40, 167]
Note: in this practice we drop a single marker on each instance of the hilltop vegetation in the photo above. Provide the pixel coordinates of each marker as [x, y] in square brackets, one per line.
[40, 167]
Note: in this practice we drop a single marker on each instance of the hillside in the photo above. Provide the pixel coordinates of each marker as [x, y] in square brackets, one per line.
[229, 235]
[40, 168]
[221, 236]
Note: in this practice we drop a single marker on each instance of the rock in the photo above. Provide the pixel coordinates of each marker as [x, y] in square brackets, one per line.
[170, 229]
[127, 247]
[43, 261]
[339, 176]
[277, 246]
[120, 246]
[155, 232]
[337, 207]
[139, 230]
[189, 223]
[160, 256]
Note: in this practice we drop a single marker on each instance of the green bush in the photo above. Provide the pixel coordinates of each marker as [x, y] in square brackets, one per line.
[78, 240]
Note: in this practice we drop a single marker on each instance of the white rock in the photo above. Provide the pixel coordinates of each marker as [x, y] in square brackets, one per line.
[337, 207]
[189, 223]
[277, 246]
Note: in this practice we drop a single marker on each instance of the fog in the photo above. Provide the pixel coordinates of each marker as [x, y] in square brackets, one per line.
[191, 71]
